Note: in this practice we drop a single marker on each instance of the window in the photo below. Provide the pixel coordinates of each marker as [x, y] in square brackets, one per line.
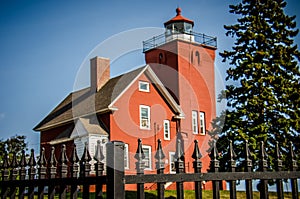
[144, 86]
[144, 117]
[147, 159]
[172, 160]
[166, 129]
[195, 122]
[126, 157]
[202, 123]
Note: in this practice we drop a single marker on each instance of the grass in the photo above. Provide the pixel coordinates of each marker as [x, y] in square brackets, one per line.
[187, 195]
[205, 194]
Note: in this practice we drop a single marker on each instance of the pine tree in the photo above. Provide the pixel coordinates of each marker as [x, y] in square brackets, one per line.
[262, 92]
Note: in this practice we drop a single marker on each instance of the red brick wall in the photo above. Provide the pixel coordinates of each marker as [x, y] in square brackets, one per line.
[196, 87]
[125, 124]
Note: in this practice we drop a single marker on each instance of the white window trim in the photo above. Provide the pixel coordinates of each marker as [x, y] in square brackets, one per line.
[126, 154]
[169, 133]
[195, 122]
[171, 153]
[202, 120]
[149, 119]
[144, 90]
[150, 156]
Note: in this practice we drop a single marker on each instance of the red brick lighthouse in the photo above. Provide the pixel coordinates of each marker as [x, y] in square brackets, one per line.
[184, 61]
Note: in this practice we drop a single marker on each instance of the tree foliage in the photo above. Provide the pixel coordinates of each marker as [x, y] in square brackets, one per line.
[15, 144]
[262, 92]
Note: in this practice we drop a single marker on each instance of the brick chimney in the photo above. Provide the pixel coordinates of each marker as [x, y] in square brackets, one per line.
[100, 72]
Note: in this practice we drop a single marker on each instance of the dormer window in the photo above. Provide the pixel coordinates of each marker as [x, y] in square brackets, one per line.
[144, 86]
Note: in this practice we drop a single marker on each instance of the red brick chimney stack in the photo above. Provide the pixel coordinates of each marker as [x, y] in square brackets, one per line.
[100, 72]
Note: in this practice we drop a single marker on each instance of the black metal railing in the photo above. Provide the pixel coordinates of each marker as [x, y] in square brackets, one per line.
[188, 36]
[28, 178]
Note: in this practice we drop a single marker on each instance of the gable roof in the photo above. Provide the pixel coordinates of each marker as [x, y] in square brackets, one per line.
[84, 102]
[83, 127]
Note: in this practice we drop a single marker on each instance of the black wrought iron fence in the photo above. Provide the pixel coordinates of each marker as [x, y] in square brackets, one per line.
[64, 176]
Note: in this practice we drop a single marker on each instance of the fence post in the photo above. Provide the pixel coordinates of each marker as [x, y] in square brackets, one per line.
[42, 172]
[197, 164]
[13, 175]
[248, 168]
[115, 170]
[63, 171]
[179, 166]
[293, 167]
[22, 174]
[85, 168]
[99, 167]
[215, 164]
[232, 166]
[140, 166]
[278, 167]
[52, 172]
[31, 173]
[263, 166]
[160, 167]
[5, 175]
[74, 171]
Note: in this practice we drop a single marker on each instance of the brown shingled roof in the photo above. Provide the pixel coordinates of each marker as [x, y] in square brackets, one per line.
[84, 102]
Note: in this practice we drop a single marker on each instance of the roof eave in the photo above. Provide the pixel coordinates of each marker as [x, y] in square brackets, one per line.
[176, 108]
[47, 127]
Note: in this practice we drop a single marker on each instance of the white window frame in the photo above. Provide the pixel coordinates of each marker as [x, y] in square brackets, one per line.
[202, 123]
[149, 158]
[126, 157]
[141, 83]
[167, 133]
[172, 162]
[195, 122]
[142, 120]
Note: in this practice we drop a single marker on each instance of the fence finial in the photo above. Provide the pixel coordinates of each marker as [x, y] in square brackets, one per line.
[42, 162]
[52, 159]
[31, 164]
[179, 153]
[74, 158]
[32, 161]
[22, 165]
[23, 162]
[159, 155]
[74, 163]
[263, 157]
[214, 155]
[85, 166]
[5, 163]
[52, 163]
[232, 156]
[139, 155]
[99, 154]
[63, 160]
[196, 154]
[278, 156]
[248, 158]
[14, 163]
[86, 157]
[292, 156]
[63, 155]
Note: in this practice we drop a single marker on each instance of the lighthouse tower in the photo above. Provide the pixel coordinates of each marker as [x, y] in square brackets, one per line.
[184, 62]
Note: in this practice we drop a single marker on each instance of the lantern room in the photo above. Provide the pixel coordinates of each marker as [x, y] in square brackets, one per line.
[179, 27]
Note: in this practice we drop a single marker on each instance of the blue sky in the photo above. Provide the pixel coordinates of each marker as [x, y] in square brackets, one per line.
[43, 44]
